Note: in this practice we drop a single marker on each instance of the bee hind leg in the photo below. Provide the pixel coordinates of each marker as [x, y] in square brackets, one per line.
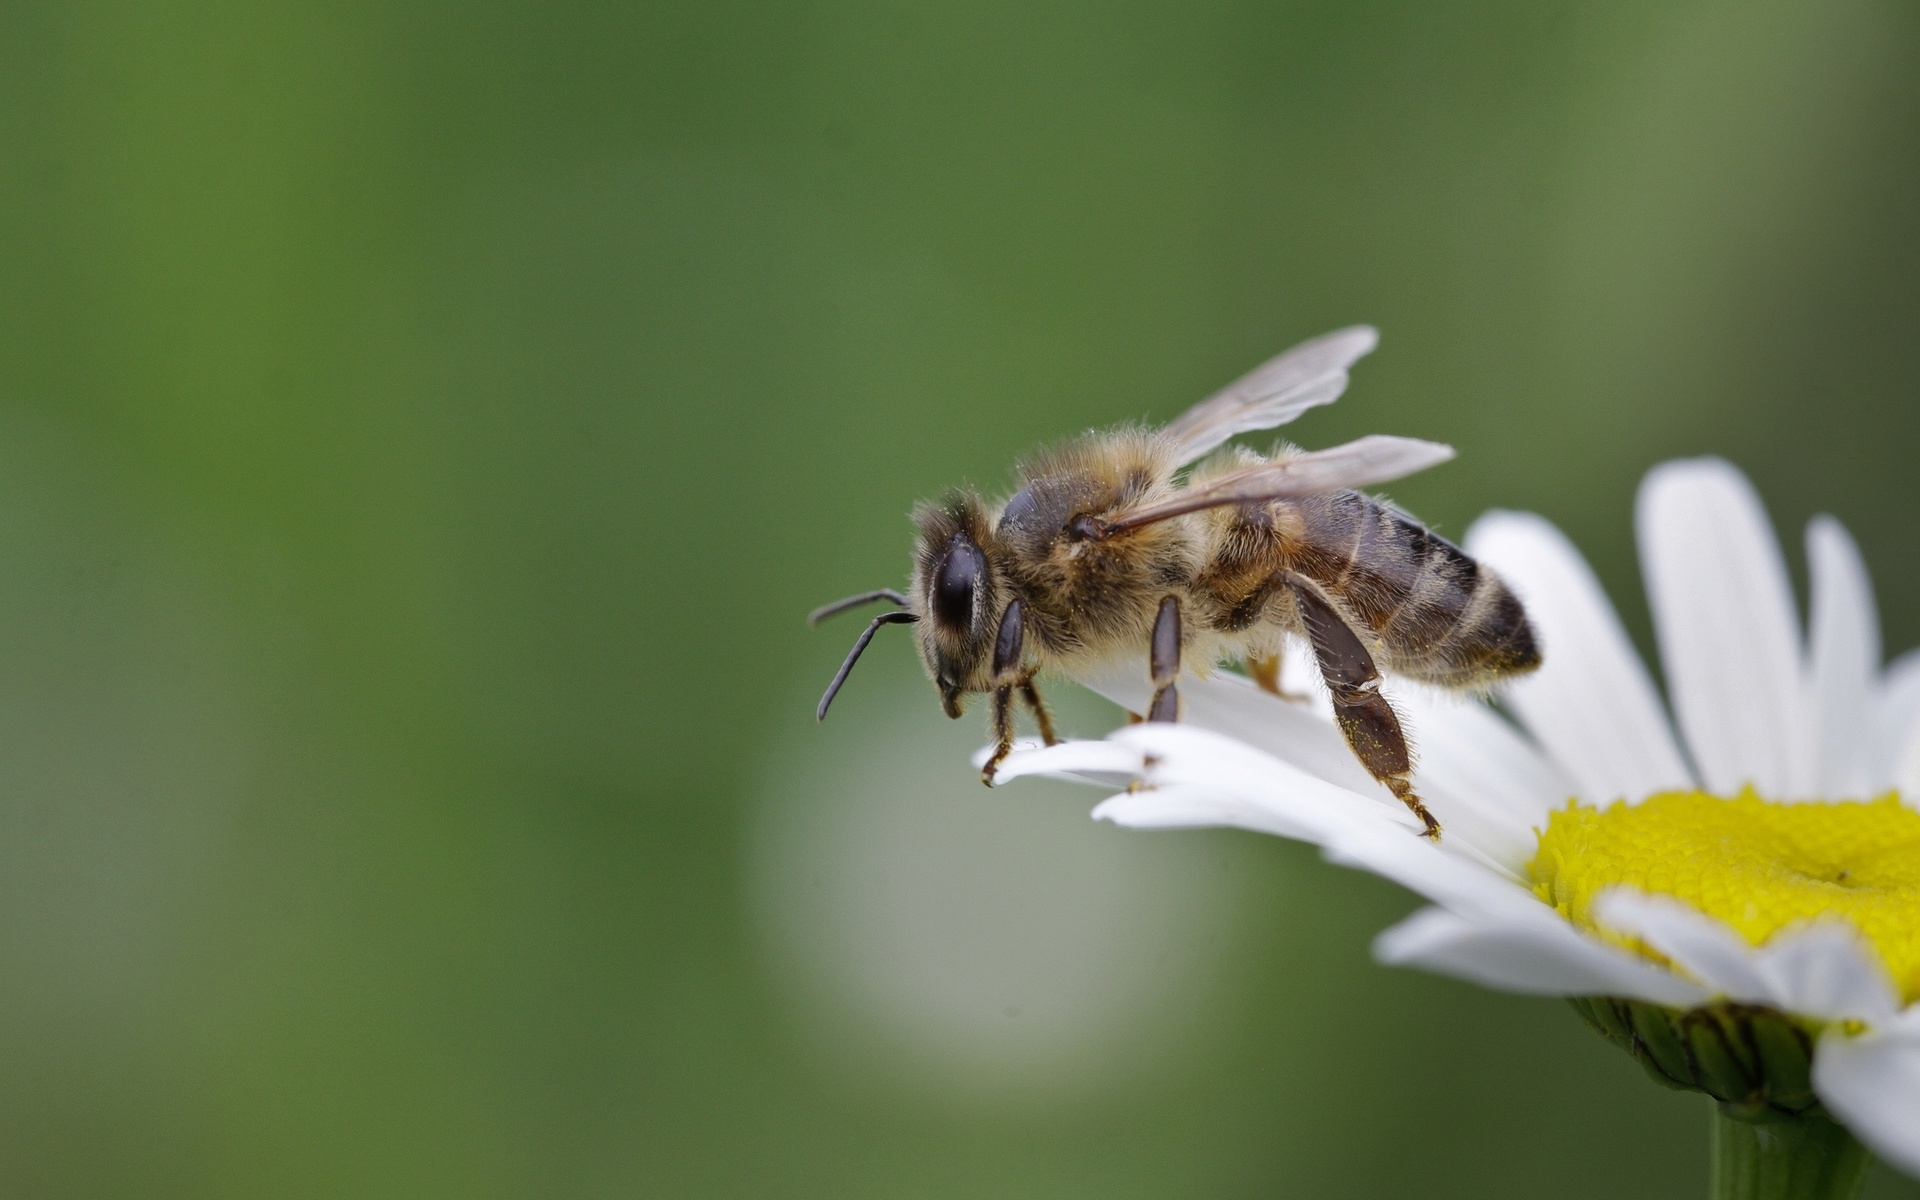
[1365, 717]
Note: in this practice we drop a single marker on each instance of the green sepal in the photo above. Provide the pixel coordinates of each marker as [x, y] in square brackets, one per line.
[1606, 1017]
[1786, 1059]
[1662, 1052]
[1756, 1062]
[1717, 1066]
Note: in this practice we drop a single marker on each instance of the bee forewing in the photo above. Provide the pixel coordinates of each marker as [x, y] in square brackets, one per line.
[1357, 464]
[1277, 391]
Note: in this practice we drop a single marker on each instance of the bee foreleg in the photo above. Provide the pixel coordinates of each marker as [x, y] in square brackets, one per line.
[1008, 644]
[1164, 659]
[1041, 716]
[1366, 718]
[1002, 733]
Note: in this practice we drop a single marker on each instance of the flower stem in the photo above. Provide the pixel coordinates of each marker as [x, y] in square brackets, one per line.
[1805, 1158]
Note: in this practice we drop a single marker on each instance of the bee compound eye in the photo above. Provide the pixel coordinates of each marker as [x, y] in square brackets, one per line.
[957, 582]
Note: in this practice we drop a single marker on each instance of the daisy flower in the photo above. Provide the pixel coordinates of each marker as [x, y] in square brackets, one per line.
[1737, 906]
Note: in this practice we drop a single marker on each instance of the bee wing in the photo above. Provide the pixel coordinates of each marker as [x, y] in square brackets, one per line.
[1356, 464]
[1310, 374]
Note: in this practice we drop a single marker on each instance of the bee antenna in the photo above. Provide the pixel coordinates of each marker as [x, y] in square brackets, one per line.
[859, 648]
[839, 606]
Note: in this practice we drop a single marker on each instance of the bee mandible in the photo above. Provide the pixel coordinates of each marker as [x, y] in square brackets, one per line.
[1107, 550]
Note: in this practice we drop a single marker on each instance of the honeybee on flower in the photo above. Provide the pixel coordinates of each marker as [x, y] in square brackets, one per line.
[1108, 550]
[1737, 906]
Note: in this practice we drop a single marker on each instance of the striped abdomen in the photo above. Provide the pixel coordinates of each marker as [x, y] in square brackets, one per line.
[1429, 611]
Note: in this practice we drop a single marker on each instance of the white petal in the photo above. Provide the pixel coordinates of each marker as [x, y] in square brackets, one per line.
[1489, 787]
[1907, 777]
[1827, 969]
[1707, 949]
[1197, 808]
[1195, 773]
[1104, 764]
[1300, 676]
[1872, 1083]
[1508, 939]
[1824, 970]
[1549, 960]
[1482, 778]
[1467, 747]
[1896, 718]
[1906, 772]
[1454, 877]
[1844, 637]
[1728, 635]
[1020, 746]
[1189, 754]
[1591, 703]
[1232, 705]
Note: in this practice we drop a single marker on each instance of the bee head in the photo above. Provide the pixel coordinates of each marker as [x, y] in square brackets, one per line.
[956, 589]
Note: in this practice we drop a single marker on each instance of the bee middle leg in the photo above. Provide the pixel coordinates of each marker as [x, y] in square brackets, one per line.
[1366, 718]
[1164, 659]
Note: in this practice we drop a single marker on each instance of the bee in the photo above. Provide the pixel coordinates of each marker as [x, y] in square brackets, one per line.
[1107, 549]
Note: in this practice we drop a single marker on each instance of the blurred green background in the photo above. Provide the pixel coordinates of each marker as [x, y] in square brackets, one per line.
[423, 426]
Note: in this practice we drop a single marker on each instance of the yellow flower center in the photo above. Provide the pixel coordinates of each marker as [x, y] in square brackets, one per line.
[1759, 866]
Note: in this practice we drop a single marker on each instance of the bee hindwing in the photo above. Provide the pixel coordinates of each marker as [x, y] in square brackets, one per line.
[1273, 393]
